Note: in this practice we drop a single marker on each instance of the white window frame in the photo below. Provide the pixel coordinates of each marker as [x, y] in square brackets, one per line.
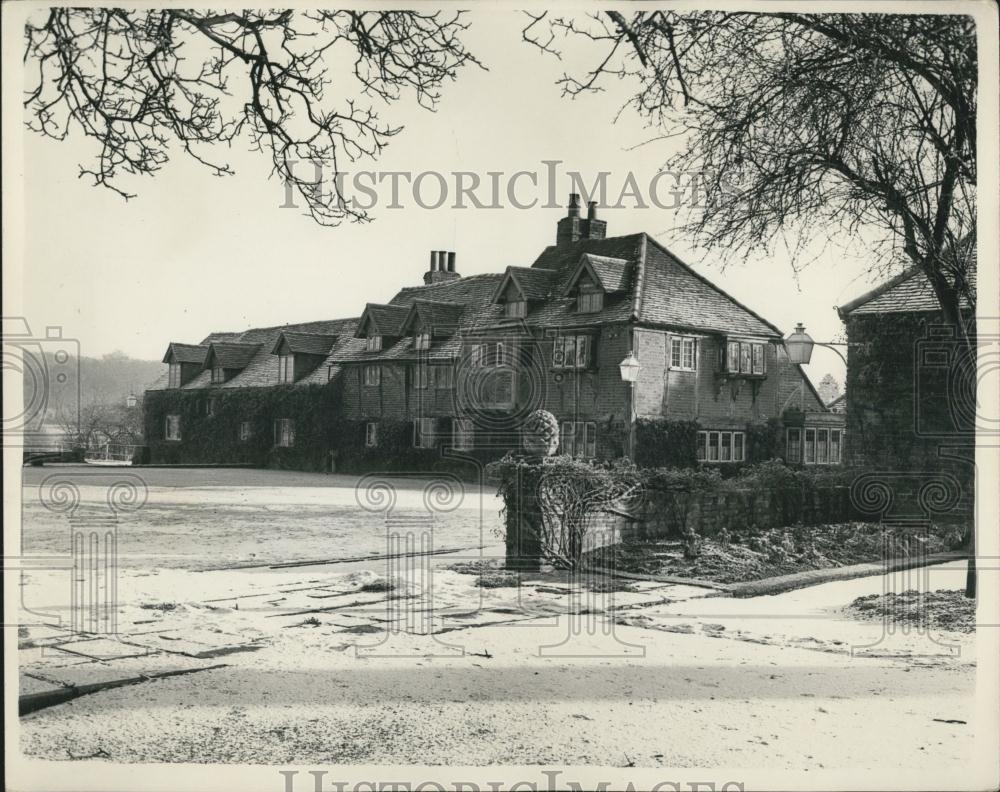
[839, 433]
[373, 343]
[284, 432]
[218, 375]
[372, 375]
[172, 421]
[371, 434]
[809, 451]
[286, 368]
[721, 446]
[582, 352]
[683, 350]
[421, 341]
[246, 431]
[462, 434]
[174, 375]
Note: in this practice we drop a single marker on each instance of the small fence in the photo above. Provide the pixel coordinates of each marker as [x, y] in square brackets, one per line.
[111, 453]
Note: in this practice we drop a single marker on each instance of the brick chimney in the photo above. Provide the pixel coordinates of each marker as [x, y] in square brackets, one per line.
[442, 267]
[573, 228]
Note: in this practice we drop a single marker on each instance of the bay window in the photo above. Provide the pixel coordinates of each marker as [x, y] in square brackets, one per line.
[814, 446]
[746, 358]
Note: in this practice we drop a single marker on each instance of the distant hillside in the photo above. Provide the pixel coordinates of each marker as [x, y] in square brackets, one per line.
[105, 380]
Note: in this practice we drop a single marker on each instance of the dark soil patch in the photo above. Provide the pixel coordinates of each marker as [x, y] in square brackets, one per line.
[939, 610]
[490, 574]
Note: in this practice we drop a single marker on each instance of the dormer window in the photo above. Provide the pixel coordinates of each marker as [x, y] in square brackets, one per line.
[218, 375]
[590, 299]
[516, 309]
[174, 377]
[422, 341]
[374, 343]
[286, 368]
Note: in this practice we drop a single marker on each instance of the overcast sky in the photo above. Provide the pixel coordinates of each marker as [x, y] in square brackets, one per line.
[194, 253]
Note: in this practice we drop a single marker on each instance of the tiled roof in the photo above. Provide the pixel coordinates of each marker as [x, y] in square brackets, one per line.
[185, 353]
[664, 290]
[229, 355]
[387, 319]
[262, 368]
[533, 284]
[439, 318]
[305, 343]
[674, 294]
[908, 291]
[611, 273]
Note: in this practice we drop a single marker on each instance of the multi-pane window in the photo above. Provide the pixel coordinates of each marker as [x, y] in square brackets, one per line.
[721, 446]
[793, 445]
[373, 343]
[462, 434]
[371, 434]
[516, 309]
[246, 430]
[835, 442]
[422, 341]
[420, 376]
[286, 368]
[745, 357]
[218, 375]
[373, 375]
[284, 433]
[814, 446]
[809, 447]
[578, 438]
[174, 376]
[172, 430]
[444, 377]
[572, 352]
[682, 353]
[590, 301]
[423, 433]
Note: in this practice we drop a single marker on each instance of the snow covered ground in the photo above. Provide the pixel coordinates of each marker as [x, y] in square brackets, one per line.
[342, 671]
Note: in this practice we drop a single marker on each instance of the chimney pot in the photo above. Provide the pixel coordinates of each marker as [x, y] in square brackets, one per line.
[443, 260]
[451, 261]
[434, 260]
[592, 210]
[574, 205]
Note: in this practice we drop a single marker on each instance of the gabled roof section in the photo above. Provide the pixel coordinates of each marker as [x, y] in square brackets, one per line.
[672, 293]
[611, 274]
[384, 320]
[185, 353]
[440, 318]
[533, 284]
[910, 291]
[228, 355]
[299, 343]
